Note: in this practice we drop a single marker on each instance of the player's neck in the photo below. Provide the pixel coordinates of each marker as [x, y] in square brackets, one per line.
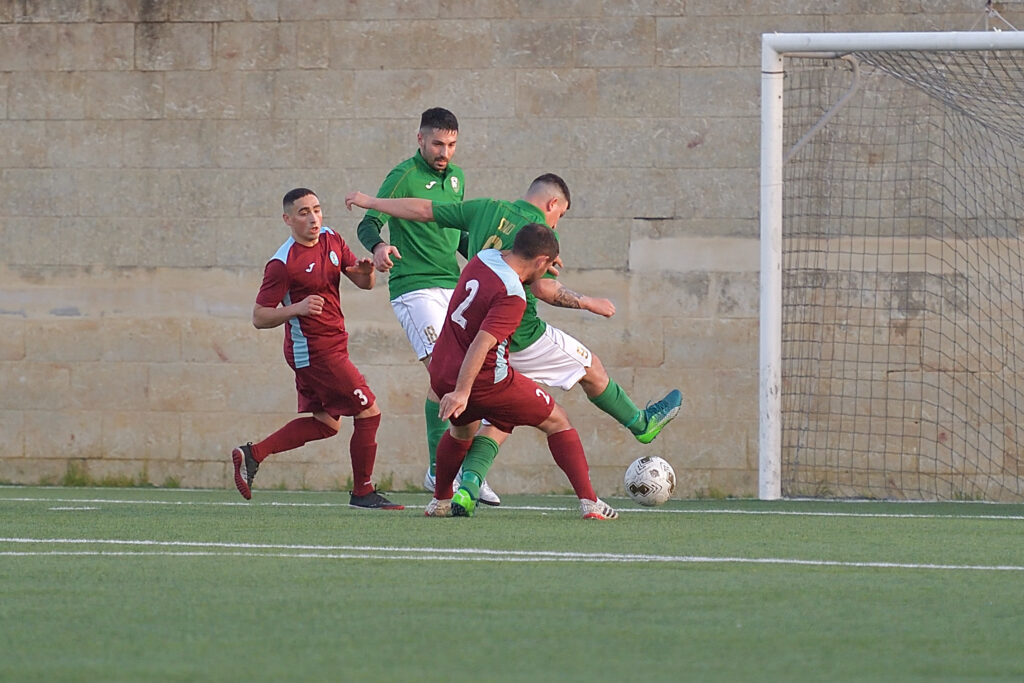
[523, 268]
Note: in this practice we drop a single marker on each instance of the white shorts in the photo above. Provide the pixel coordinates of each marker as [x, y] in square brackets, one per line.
[421, 314]
[555, 359]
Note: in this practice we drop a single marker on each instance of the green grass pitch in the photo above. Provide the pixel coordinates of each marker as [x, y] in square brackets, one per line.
[107, 584]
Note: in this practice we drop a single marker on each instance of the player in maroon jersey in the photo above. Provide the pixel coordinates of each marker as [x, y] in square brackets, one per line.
[300, 291]
[471, 374]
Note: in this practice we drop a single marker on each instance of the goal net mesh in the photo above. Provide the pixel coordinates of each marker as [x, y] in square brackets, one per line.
[903, 277]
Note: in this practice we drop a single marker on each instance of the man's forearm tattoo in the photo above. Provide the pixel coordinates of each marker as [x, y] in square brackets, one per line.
[566, 298]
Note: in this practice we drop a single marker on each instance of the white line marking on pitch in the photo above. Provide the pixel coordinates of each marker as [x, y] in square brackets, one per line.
[537, 508]
[340, 552]
[69, 507]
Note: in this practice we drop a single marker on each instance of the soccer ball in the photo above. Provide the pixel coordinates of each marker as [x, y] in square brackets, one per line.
[650, 480]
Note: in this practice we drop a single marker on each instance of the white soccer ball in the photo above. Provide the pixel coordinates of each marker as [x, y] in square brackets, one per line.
[650, 480]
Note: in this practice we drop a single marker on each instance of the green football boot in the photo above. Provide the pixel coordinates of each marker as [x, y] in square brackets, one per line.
[659, 414]
[463, 504]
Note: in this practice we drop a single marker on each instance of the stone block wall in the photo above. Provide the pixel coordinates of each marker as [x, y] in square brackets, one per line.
[145, 146]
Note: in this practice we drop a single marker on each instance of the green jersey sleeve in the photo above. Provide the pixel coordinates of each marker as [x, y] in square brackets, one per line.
[451, 214]
[368, 232]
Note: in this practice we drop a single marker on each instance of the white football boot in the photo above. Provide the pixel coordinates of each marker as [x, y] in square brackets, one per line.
[429, 479]
[438, 508]
[597, 509]
[487, 494]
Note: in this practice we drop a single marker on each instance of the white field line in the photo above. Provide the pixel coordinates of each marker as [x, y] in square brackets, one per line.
[346, 552]
[537, 508]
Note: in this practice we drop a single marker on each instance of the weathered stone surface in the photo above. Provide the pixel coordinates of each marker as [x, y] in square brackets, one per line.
[145, 148]
[124, 95]
[28, 47]
[173, 46]
[48, 95]
[95, 47]
[207, 95]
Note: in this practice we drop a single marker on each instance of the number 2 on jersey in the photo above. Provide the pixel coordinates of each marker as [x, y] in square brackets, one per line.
[472, 286]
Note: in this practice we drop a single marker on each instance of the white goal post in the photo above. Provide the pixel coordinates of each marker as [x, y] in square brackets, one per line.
[777, 51]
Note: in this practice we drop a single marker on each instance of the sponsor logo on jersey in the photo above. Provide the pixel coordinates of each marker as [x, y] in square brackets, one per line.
[334, 257]
[309, 269]
[431, 184]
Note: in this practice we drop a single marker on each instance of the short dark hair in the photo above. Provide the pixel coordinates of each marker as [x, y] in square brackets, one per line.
[295, 195]
[550, 179]
[533, 240]
[439, 119]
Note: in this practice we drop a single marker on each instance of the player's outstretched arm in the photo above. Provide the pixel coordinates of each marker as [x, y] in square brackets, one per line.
[406, 208]
[555, 293]
[454, 402]
[362, 273]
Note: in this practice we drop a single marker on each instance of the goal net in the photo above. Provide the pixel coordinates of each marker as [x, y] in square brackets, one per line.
[894, 291]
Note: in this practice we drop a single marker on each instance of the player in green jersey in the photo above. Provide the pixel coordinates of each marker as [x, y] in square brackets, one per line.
[538, 350]
[421, 255]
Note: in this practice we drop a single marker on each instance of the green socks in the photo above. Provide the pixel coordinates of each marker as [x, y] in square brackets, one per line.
[478, 461]
[435, 429]
[614, 401]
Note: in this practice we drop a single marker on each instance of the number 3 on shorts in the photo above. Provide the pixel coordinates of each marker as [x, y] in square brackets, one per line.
[361, 396]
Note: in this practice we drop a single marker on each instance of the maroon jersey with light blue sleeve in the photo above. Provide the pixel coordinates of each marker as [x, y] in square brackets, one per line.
[297, 271]
[489, 297]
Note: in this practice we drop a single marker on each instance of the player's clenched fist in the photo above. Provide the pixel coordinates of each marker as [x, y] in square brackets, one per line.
[311, 305]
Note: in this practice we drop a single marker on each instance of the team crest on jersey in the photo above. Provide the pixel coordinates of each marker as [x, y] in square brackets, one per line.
[334, 257]
[455, 183]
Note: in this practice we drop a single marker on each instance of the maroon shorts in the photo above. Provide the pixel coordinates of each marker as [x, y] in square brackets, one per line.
[333, 385]
[519, 402]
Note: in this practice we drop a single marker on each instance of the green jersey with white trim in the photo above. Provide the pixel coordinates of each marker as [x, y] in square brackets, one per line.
[493, 224]
[428, 250]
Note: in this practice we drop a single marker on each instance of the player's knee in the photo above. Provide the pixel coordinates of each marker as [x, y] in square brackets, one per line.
[596, 378]
[327, 429]
[558, 421]
[327, 422]
[462, 432]
[372, 411]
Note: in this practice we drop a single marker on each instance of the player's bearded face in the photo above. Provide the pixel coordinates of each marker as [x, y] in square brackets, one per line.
[541, 265]
[437, 147]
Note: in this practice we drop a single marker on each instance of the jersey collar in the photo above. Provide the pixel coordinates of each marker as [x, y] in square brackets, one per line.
[530, 210]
